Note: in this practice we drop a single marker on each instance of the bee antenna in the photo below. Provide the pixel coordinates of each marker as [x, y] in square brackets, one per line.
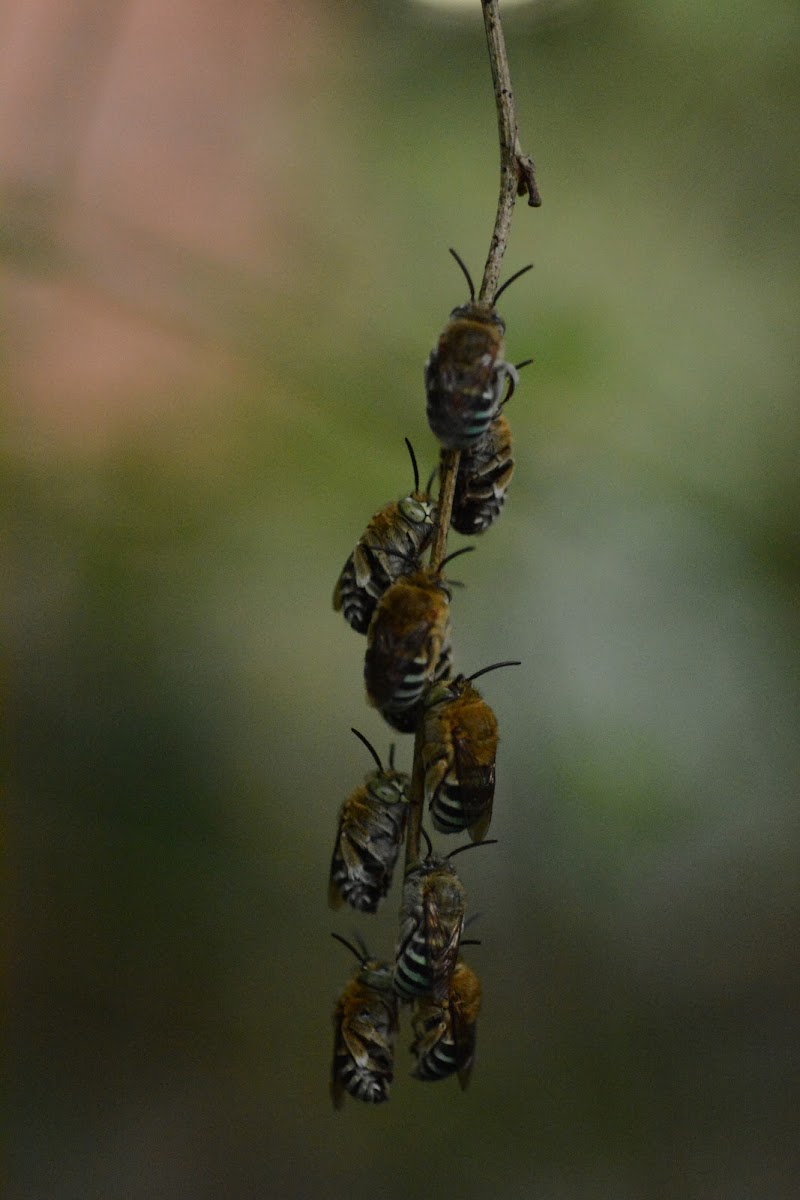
[471, 846]
[429, 484]
[362, 945]
[349, 945]
[470, 942]
[511, 662]
[526, 362]
[467, 275]
[413, 463]
[391, 757]
[455, 554]
[369, 746]
[428, 841]
[509, 281]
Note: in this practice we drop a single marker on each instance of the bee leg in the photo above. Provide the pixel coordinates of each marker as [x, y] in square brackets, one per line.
[512, 375]
[437, 761]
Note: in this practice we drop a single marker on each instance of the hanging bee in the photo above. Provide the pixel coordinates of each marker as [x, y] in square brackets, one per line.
[484, 473]
[431, 923]
[408, 644]
[459, 747]
[444, 1031]
[365, 1027]
[466, 373]
[371, 828]
[391, 546]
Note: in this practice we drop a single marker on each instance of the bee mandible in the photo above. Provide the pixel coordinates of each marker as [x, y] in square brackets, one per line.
[431, 924]
[459, 748]
[391, 546]
[408, 644]
[365, 1028]
[466, 373]
[444, 1030]
[372, 823]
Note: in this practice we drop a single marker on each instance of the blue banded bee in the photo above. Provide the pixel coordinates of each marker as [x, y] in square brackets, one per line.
[444, 1030]
[484, 473]
[391, 546]
[465, 374]
[365, 1028]
[459, 747]
[408, 644]
[371, 828]
[431, 924]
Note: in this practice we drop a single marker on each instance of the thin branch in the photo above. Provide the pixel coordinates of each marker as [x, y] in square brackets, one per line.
[448, 470]
[517, 178]
[517, 171]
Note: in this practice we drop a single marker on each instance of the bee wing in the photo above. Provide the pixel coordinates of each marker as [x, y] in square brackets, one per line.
[464, 1008]
[388, 658]
[361, 565]
[464, 1037]
[476, 780]
[409, 924]
[355, 1034]
[443, 938]
[335, 897]
[432, 369]
[337, 591]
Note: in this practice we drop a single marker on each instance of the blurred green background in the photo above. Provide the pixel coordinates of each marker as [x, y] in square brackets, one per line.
[224, 239]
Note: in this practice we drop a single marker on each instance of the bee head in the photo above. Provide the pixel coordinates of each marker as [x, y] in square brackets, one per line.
[373, 973]
[441, 692]
[435, 860]
[482, 310]
[386, 783]
[417, 509]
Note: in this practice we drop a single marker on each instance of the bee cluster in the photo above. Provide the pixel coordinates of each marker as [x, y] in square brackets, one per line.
[403, 608]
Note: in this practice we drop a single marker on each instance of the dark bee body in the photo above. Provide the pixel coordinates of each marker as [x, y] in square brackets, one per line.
[484, 473]
[466, 373]
[391, 546]
[408, 646]
[371, 828]
[431, 924]
[365, 1028]
[459, 748]
[444, 1031]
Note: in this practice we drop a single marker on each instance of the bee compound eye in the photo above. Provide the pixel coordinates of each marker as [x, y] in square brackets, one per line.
[414, 510]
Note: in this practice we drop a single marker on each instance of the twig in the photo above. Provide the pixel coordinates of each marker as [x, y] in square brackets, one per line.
[448, 470]
[517, 171]
[517, 178]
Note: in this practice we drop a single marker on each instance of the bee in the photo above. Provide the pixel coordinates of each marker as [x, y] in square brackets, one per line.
[484, 473]
[391, 546]
[365, 1028]
[465, 374]
[459, 747]
[431, 924]
[444, 1031]
[371, 828]
[408, 644]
